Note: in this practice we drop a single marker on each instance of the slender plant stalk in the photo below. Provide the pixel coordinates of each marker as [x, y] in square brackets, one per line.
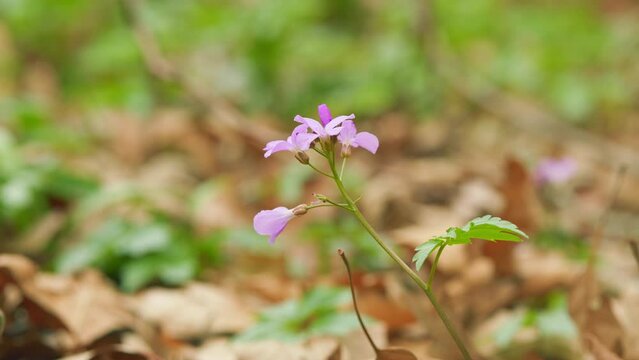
[433, 269]
[319, 171]
[330, 203]
[341, 172]
[412, 274]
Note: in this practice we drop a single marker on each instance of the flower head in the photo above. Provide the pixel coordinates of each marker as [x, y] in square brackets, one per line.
[555, 171]
[349, 137]
[299, 141]
[329, 126]
[273, 222]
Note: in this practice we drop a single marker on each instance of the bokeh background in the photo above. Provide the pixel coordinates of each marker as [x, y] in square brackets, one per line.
[131, 137]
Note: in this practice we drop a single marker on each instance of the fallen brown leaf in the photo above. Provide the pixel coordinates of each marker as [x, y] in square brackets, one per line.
[593, 315]
[87, 306]
[395, 315]
[314, 349]
[195, 311]
[598, 350]
[522, 208]
[543, 271]
[395, 354]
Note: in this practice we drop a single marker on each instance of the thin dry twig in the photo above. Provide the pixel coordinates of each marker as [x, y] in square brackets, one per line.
[359, 317]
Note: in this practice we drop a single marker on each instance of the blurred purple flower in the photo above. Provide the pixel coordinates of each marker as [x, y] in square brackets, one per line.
[328, 126]
[349, 137]
[299, 141]
[555, 170]
[273, 222]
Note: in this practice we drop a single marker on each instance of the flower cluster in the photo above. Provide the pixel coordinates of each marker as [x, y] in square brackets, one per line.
[320, 136]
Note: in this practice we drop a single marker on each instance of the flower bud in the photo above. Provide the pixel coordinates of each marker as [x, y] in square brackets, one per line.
[302, 157]
[320, 197]
[300, 210]
[346, 151]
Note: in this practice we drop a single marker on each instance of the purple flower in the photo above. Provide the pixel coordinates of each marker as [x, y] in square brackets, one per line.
[553, 170]
[328, 126]
[349, 137]
[273, 222]
[299, 141]
[324, 114]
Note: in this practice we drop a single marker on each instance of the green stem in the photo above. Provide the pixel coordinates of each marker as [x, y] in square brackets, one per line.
[341, 172]
[318, 151]
[413, 275]
[328, 203]
[433, 269]
[320, 171]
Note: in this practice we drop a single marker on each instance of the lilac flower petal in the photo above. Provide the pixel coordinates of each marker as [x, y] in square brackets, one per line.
[347, 135]
[276, 146]
[301, 128]
[313, 124]
[324, 114]
[366, 140]
[272, 222]
[302, 141]
[332, 127]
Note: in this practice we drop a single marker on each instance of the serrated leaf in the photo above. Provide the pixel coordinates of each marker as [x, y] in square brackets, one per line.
[492, 234]
[487, 227]
[457, 236]
[424, 250]
[493, 222]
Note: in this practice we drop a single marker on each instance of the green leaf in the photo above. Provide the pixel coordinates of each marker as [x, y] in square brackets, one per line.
[334, 323]
[555, 320]
[135, 274]
[315, 314]
[487, 227]
[493, 222]
[507, 331]
[145, 239]
[179, 270]
[424, 250]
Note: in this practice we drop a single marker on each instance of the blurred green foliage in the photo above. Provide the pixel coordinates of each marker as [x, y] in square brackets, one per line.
[137, 254]
[317, 313]
[571, 244]
[31, 189]
[554, 330]
[364, 57]
[347, 234]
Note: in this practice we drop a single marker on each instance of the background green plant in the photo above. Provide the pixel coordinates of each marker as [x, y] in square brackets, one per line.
[265, 55]
[317, 313]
